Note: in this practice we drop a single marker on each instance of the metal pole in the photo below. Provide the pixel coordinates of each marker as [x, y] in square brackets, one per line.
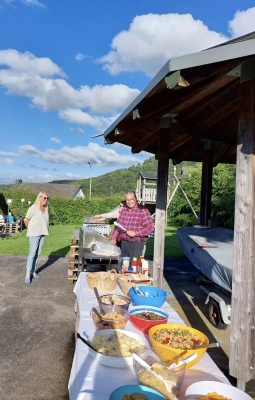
[90, 182]
[21, 221]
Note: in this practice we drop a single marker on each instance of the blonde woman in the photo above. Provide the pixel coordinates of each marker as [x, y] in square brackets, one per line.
[37, 223]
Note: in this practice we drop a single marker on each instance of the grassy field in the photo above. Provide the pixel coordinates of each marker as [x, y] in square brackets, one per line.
[58, 242]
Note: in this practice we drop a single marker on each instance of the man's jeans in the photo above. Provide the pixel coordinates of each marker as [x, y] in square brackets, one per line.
[35, 244]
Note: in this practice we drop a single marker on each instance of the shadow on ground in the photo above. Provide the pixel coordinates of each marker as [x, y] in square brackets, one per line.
[189, 301]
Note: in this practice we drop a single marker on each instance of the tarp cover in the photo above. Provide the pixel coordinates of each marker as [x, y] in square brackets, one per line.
[215, 259]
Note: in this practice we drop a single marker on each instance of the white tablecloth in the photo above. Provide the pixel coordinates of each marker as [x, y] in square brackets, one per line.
[90, 380]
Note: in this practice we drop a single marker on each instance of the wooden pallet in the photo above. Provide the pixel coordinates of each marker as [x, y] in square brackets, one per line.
[74, 263]
[71, 280]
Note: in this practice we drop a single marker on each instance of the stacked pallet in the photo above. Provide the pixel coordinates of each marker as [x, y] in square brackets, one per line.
[75, 264]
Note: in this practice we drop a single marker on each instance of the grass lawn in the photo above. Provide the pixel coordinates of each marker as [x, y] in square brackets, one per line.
[57, 243]
[59, 240]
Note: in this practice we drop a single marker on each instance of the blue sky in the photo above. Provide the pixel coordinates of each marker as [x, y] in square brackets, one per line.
[69, 68]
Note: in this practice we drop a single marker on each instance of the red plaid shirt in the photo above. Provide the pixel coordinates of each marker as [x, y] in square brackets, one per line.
[137, 219]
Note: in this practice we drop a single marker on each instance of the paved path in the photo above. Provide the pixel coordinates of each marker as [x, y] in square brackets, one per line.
[37, 330]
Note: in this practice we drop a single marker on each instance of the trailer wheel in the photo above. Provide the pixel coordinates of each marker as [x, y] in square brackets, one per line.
[214, 315]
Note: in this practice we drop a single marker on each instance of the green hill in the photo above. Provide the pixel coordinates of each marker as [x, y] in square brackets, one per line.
[117, 182]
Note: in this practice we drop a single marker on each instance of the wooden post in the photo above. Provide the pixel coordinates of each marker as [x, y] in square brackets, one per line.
[242, 335]
[206, 184]
[161, 200]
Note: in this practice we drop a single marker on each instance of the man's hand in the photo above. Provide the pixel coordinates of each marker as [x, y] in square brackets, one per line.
[131, 233]
[113, 241]
[97, 216]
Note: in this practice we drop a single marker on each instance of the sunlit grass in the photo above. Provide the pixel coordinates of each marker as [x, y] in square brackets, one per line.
[59, 240]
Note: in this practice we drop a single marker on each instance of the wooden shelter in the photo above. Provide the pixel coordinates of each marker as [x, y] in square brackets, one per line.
[201, 107]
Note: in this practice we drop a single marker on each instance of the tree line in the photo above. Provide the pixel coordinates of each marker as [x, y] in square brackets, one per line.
[109, 189]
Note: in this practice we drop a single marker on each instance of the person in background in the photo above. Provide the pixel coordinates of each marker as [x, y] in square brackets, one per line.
[137, 222]
[37, 223]
[10, 218]
[113, 214]
[2, 227]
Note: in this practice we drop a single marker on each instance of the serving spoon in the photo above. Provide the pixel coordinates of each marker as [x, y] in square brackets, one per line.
[85, 341]
[102, 311]
[100, 317]
[206, 346]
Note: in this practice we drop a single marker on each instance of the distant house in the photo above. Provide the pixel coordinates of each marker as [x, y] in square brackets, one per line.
[55, 189]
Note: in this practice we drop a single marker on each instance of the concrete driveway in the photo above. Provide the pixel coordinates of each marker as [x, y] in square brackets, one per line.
[37, 325]
[37, 330]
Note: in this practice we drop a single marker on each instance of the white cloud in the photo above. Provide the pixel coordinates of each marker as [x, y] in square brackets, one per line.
[76, 116]
[7, 154]
[80, 56]
[77, 131]
[6, 161]
[41, 80]
[152, 39]
[34, 3]
[28, 64]
[55, 140]
[81, 155]
[242, 23]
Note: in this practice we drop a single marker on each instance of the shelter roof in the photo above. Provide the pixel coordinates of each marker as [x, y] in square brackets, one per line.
[200, 92]
[52, 189]
[148, 175]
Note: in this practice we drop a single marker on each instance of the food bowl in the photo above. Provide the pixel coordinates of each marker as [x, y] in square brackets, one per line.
[166, 380]
[115, 317]
[119, 300]
[119, 344]
[149, 393]
[147, 296]
[199, 389]
[162, 349]
[144, 322]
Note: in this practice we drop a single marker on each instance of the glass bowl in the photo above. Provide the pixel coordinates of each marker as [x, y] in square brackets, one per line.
[167, 380]
[119, 300]
[115, 317]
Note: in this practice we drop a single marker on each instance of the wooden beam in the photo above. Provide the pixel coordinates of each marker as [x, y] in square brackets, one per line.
[145, 141]
[206, 101]
[153, 108]
[190, 147]
[180, 141]
[206, 184]
[223, 150]
[196, 132]
[242, 328]
[219, 115]
[161, 200]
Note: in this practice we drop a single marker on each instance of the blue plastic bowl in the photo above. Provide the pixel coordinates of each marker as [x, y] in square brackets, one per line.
[153, 296]
[150, 394]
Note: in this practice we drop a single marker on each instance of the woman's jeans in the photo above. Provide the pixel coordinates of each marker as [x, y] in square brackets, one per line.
[35, 247]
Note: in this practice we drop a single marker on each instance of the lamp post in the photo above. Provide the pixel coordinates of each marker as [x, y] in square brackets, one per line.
[21, 221]
[90, 182]
[9, 202]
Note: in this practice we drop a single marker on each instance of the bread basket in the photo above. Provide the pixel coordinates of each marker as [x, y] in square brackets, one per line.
[126, 281]
[102, 280]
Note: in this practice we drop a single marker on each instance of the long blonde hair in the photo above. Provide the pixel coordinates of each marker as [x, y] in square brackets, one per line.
[37, 200]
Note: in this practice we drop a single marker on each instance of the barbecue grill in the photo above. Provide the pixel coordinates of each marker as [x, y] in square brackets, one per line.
[95, 249]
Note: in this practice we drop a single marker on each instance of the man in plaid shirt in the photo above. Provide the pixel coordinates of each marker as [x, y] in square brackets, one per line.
[137, 221]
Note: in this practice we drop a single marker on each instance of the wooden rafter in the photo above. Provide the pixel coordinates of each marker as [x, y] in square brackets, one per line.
[146, 141]
[219, 115]
[174, 101]
[212, 97]
[185, 151]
